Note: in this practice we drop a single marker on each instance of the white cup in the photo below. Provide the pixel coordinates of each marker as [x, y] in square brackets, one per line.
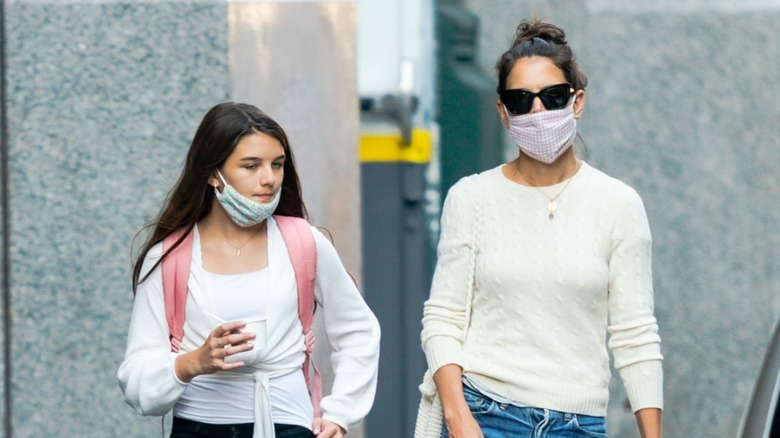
[249, 357]
[259, 328]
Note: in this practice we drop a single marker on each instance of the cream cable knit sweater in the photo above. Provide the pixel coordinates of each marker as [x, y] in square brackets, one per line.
[547, 292]
[146, 375]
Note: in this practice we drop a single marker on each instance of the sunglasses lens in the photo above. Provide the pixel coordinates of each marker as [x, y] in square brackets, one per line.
[555, 97]
[517, 101]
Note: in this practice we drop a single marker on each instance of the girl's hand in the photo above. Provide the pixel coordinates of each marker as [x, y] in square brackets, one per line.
[326, 429]
[224, 341]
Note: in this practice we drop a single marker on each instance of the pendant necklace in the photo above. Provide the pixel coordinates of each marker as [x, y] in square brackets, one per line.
[237, 248]
[552, 204]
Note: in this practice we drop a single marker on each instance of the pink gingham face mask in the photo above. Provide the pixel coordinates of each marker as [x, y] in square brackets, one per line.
[545, 135]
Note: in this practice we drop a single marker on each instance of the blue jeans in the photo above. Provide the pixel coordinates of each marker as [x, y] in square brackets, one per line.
[501, 420]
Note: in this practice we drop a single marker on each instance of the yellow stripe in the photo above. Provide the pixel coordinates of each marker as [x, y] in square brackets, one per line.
[389, 147]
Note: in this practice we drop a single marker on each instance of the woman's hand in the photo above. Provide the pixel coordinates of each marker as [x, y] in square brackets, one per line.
[457, 415]
[224, 341]
[649, 422]
[462, 425]
[326, 429]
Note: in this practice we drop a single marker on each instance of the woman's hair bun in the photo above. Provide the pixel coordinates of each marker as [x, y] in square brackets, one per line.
[537, 38]
[530, 29]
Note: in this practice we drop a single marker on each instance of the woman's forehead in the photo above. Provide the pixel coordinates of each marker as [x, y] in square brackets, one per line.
[534, 73]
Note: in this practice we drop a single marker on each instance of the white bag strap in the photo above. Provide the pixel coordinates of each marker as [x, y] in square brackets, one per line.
[430, 417]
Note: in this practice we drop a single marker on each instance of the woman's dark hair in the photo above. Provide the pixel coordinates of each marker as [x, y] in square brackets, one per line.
[190, 200]
[537, 38]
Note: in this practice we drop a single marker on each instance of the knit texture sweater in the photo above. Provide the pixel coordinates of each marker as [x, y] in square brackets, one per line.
[147, 375]
[546, 292]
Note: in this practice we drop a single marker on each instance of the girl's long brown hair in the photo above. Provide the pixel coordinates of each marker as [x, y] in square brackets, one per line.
[190, 200]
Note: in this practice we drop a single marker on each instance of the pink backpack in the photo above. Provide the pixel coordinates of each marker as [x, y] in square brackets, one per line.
[303, 255]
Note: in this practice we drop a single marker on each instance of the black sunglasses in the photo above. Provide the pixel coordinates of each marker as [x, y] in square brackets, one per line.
[520, 101]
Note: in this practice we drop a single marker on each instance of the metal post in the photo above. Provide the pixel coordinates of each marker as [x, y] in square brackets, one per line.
[397, 259]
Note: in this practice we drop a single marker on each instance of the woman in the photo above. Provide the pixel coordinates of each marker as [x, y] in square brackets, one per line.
[231, 378]
[538, 259]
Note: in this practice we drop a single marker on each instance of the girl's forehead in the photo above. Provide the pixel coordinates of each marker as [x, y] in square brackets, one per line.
[258, 144]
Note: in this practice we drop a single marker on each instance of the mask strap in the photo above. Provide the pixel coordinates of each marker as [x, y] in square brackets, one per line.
[506, 111]
[224, 183]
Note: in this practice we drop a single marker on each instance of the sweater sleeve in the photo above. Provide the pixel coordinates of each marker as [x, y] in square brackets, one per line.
[146, 375]
[633, 330]
[353, 333]
[444, 313]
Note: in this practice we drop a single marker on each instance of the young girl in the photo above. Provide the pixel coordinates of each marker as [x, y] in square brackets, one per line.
[232, 378]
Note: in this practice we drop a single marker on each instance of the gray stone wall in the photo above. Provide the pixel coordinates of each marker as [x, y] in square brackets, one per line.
[3, 259]
[103, 99]
[681, 106]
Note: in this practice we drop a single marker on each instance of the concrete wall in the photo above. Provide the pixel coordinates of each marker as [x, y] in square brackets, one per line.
[681, 106]
[3, 259]
[103, 98]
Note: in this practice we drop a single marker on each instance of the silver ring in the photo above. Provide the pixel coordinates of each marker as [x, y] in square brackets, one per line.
[219, 343]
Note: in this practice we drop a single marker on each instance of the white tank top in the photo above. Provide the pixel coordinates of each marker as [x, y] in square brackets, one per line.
[219, 401]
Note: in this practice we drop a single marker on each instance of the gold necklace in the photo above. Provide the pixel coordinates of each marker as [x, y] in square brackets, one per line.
[237, 248]
[552, 204]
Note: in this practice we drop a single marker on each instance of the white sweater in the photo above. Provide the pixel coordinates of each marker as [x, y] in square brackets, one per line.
[547, 292]
[147, 376]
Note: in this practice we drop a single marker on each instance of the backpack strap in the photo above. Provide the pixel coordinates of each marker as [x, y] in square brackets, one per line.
[175, 274]
[303, 254]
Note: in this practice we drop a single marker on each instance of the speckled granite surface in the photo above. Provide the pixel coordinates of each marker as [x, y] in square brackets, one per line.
[680, 107]
[2, 306]
[103, 99]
